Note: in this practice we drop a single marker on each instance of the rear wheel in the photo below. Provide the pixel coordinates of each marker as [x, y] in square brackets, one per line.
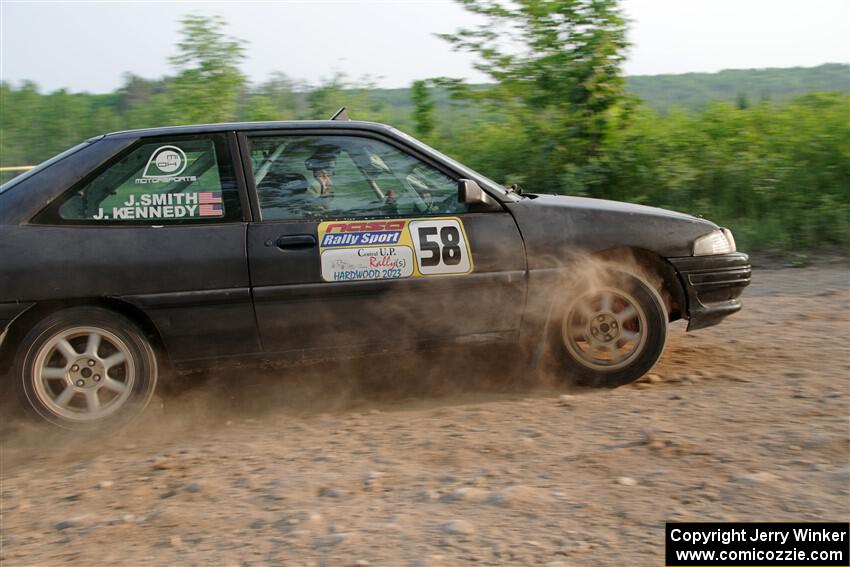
[611, 332]
[85, 366]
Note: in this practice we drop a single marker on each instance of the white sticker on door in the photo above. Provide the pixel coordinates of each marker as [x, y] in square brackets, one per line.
[441, 247]
[381, 249]
[372, 263]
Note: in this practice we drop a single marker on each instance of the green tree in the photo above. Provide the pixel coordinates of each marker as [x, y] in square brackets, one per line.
[423, 109]
[327, 98]
[208, 82]
[280, 96]
[339, 91]
[557, 63]
[136, 91]
[260, 108]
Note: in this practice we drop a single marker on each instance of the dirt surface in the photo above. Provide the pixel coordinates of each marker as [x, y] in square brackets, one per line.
[452, 459]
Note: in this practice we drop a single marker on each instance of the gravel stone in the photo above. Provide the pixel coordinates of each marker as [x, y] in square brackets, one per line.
[756, 478]
[458, 527]
[67, 524]
[467, 493]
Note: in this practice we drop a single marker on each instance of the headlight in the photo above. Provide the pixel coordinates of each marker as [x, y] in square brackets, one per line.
[718, 242]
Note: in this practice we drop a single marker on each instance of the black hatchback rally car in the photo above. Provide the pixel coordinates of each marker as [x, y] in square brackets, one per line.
[190, 246]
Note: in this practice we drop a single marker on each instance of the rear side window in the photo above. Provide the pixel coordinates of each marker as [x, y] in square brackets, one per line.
[166, 181]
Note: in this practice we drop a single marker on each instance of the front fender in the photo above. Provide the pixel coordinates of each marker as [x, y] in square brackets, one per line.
[559, 231]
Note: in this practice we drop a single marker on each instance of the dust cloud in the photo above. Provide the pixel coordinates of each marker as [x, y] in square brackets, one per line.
[414, 376]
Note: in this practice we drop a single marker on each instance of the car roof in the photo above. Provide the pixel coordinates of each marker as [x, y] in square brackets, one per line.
[250, 126]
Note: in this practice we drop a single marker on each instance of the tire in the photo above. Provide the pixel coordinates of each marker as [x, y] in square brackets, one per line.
[609, 332]
[82, 367]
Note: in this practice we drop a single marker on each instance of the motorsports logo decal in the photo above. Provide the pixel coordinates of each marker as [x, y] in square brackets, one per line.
[165, 166]
[392, 249]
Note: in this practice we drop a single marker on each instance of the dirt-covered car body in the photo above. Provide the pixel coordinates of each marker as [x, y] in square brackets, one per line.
[228, 242]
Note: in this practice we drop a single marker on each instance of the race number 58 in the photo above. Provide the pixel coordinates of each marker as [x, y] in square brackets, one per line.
[441, 247]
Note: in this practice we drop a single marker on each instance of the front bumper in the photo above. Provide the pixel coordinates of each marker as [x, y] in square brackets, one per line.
[712, 286]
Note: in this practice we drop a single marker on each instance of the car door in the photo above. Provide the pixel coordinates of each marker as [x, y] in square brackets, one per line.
[361, 241]
[162, 227]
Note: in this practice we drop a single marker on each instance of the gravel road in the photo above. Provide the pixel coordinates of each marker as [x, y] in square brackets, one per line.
[455, 459]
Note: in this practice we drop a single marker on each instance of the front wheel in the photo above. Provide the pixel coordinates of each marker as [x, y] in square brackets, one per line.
[611, 331]
[81, 367]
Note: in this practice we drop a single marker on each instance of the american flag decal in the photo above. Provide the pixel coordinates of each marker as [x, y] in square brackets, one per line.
[210, 198]
[211, 210]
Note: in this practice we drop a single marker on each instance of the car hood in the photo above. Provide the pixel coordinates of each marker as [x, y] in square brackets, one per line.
[555, 226]
[619, 207]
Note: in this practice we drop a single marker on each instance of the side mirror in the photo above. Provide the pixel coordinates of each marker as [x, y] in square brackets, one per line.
[470, 193]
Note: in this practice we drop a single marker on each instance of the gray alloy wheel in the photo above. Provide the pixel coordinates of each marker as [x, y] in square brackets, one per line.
[84, 366]
[611, 333]
[605, 329]
[88, 385]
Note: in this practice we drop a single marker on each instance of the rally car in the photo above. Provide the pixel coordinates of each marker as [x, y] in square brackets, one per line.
[192, 246]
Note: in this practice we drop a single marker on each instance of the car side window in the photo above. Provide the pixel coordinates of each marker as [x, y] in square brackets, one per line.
[303, 177]
[162, 181]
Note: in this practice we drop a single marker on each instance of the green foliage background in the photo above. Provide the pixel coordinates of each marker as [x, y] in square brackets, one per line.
[764, 152]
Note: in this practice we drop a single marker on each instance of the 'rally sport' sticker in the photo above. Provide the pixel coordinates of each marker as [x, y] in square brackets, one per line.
[391, 249]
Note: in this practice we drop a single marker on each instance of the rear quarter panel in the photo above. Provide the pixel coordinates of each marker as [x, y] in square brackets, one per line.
[192, 281]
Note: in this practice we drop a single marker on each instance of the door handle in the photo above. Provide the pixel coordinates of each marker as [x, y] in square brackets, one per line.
[296, 241]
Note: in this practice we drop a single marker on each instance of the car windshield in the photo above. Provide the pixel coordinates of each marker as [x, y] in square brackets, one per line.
[42, 166]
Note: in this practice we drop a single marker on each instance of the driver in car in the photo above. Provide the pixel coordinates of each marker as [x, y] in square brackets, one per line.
[322, 163]
[324, 176]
